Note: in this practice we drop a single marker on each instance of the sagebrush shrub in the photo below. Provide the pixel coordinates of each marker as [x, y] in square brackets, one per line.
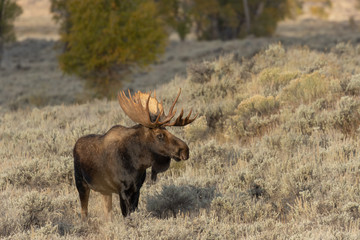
[39, 173]
[353, 209]
[274, 79]
[282, 169]
[36, 208]
[203, 153]
[273, 56]
[346, 117]
[343, 49]
[197, 130]
[305, 119]
[7, 226]
[257, 106]
[201, 72]
[353, 87]
[178, 199]
[305, 89]
[252, 117]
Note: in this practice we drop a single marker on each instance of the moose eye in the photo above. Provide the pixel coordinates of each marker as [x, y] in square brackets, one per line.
[160, 136]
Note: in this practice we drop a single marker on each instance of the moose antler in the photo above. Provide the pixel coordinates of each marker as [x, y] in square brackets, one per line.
[142, 109]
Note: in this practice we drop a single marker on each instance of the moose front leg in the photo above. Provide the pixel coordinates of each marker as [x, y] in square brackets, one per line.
[125, 203]
[134, 199]
[129, 194]
[125, 193]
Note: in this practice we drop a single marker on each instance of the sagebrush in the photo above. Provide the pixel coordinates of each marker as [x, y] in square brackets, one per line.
[276, 141]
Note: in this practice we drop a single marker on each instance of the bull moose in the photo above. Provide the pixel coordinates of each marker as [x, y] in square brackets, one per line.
[116, 162]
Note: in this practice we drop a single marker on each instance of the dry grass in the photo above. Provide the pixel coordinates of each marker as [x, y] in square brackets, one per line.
[276, 142]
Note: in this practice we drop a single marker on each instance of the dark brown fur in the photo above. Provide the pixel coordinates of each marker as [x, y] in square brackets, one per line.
[116, 162]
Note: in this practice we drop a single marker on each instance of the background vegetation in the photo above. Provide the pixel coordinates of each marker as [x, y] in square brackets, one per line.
[9, 11]
[226, 19]
[104, 41]
[274, 155]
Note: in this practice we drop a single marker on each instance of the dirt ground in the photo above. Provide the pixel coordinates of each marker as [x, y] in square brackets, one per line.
[30, 76]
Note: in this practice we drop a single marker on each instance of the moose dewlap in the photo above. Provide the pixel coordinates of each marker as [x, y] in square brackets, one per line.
[116, 162]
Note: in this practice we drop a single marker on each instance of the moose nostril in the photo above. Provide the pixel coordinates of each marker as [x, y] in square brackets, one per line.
[184, 155]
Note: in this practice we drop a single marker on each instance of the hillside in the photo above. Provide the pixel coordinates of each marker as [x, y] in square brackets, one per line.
[273, 155]
[30, 75]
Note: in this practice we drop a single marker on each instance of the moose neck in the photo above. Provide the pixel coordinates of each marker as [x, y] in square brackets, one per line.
[143, 156]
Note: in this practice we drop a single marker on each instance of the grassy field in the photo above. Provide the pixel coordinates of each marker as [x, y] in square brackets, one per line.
[273, 155]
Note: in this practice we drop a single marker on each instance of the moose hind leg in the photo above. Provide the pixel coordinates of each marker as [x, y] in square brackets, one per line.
[84, 193]
[107, 199]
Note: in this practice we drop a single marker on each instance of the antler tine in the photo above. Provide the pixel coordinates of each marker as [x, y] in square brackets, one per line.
[188, 120]
[173, 105]
[147, 104]
[158, 117]
[179, 121]
[134, 109]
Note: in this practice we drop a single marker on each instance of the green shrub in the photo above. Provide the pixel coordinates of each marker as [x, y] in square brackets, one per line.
[217, 19]
[9, 11]
[177, 15]
[107, 39]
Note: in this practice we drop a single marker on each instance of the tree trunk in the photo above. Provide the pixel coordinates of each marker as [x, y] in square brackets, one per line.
[247, 15]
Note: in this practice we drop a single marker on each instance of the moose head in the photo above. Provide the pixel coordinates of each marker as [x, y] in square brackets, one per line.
[149, 113]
